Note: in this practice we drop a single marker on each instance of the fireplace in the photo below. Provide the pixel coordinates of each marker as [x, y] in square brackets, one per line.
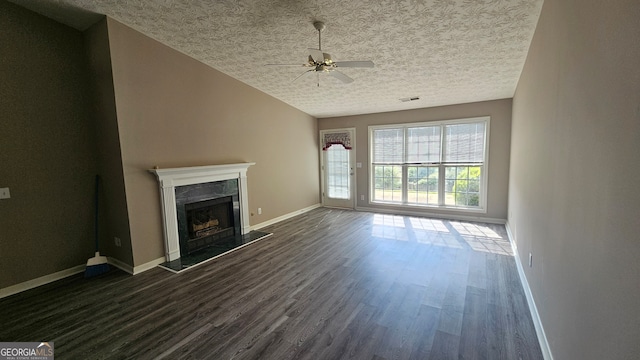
[202, 196]
[207, 214]
[207, 222]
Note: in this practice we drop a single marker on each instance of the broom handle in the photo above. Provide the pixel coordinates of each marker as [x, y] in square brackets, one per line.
[96, 212]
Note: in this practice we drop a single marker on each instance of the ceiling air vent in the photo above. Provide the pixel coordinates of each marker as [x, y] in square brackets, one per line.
[414, 98]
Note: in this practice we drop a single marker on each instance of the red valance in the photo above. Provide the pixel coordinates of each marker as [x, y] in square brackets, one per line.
[336, 139]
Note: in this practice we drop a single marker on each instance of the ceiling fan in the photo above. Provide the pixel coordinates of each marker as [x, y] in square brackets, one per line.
[321, 62]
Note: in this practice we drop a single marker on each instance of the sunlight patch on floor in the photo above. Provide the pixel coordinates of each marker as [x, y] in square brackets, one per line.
[445, 233]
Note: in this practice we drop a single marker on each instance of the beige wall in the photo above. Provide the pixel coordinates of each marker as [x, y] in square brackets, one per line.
[499, 142]
[174, 111]
[113, 202]
[574, 195]
[46, 148]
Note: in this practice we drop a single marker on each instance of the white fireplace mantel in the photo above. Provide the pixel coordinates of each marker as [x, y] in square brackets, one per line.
[170, 178]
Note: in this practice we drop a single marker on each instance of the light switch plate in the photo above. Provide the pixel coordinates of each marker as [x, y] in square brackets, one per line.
[4, 193]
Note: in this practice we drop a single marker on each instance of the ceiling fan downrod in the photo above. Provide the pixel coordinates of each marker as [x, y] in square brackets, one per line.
[319, 25]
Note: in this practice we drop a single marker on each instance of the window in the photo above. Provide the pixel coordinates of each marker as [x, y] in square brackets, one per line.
[437, 164]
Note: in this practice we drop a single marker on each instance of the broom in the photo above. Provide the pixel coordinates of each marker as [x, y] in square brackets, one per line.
[96, 265]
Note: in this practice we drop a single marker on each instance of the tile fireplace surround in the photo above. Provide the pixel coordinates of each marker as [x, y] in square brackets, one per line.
[169, 179]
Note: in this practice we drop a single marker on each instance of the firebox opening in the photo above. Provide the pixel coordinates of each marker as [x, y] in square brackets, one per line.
[208, 222]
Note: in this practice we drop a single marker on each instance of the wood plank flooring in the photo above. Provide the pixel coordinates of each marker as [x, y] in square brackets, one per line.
[329, 284]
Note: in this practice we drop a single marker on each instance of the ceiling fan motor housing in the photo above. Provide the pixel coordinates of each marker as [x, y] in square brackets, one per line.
[319, 25]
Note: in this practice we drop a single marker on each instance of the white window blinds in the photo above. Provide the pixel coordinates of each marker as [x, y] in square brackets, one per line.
[423, 144]
[389, 146]
[464, 143]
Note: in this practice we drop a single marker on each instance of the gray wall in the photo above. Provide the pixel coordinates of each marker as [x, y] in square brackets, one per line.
[46, 147]
[574, 195]
[499, 143]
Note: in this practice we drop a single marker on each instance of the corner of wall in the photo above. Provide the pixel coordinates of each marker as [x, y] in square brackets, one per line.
[114, 222]
[533, 309]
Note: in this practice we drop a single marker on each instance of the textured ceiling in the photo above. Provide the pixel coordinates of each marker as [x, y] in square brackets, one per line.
[443, 51]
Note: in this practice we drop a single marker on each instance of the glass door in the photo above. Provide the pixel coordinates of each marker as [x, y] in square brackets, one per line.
[338, 156]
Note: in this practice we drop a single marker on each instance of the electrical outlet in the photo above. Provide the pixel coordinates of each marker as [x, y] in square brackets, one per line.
[259, 211]
[530, 260]
[4, 193]
[117, 241]
[362, 197]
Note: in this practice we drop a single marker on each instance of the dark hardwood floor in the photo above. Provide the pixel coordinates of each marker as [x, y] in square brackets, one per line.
[329, 284]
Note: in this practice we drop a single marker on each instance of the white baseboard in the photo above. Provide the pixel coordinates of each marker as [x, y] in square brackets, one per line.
[148, 266]
[27, 285]
[120, 265]
[433, 215]
[43, 280]
[285, 217]
[135, 270]
[537, 322]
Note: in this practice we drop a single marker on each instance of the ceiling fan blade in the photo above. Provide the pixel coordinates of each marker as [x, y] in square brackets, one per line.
[316, 55]
[298, 65]
[340, 76]
[301, 75]
[364, 64]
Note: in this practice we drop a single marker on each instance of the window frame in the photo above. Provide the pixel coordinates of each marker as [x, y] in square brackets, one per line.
[441, 165]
